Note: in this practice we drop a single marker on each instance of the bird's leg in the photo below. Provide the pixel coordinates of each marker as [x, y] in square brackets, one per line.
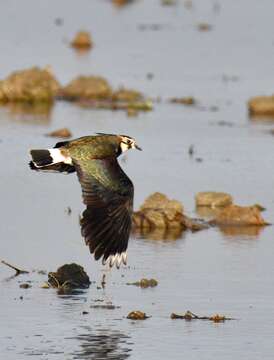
[103, 281]
[106, 271]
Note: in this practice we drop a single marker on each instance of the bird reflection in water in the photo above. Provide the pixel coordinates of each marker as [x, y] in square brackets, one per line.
[104, 344]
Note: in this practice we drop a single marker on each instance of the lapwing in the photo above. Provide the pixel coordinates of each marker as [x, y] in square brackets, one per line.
[106, 190]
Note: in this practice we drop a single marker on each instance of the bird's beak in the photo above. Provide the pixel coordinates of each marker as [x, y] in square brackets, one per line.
[137, 147]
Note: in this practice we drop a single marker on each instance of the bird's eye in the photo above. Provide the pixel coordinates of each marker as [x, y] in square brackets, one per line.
[128, 142]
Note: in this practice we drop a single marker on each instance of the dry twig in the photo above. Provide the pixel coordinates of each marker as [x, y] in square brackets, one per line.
[17, 270]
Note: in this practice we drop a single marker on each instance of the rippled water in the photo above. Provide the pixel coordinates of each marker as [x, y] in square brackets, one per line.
[228, 272]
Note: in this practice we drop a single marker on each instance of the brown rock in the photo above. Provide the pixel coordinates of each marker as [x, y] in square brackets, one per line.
[87, 87]
[162, 202]
[31, 85]
[123, 94]
[159, 211]
[61, 133]
[213, 199]
[239, 215]
[160, 217]
[82, 40]
[137, 315]
[261, 105]
[206, 212]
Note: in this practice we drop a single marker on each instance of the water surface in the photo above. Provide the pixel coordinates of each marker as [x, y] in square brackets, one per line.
[207, 272]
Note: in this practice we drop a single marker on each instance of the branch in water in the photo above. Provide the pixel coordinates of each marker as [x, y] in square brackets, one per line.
[17, 270]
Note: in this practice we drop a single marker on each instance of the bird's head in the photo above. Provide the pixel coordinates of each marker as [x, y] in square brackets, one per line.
[127, 142]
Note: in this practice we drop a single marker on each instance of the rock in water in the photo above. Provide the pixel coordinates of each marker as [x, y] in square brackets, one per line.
[87, 87]
[61, 133]
[72, 276]
[31, 85]
[160, 213]
[213, 199]
[261, 106]
[82, 40]
[127, 95]
[137, 315]
[234, 215]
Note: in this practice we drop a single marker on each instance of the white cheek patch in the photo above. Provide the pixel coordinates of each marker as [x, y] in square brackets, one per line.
[124, 147]
[57, 156]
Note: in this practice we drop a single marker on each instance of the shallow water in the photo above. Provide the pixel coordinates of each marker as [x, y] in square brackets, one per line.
[206, 272]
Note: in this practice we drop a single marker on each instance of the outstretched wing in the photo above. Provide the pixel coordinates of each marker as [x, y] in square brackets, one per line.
[108, 195]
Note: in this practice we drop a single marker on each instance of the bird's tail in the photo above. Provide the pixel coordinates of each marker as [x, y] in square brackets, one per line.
[50, 160]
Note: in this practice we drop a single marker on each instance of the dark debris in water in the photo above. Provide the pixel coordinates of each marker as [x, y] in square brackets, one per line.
[69, 276]
[16, 269]
[183, 100]
[25, 286]
[145, 283]
[204, 27]
[105, 306]
[191, 316]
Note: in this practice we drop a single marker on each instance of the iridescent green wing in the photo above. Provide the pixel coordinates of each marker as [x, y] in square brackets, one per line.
[106, 222]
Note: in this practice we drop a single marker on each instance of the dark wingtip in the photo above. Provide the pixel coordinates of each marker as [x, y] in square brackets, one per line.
[32, 166]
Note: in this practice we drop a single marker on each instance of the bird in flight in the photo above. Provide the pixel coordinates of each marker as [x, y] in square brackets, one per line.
[107, 191]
